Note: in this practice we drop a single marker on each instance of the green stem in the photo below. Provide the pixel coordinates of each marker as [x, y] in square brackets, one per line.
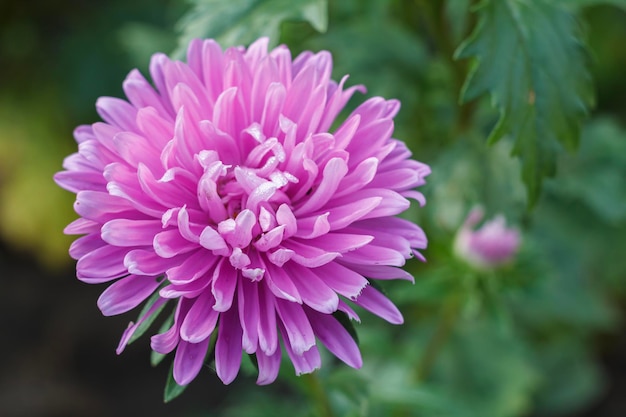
[315, 390]
[445, 325]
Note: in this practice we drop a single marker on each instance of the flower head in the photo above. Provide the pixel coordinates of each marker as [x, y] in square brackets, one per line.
[490, 246]
[224, 189]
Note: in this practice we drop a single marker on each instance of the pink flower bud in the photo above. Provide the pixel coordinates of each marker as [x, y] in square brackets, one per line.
[488, 247]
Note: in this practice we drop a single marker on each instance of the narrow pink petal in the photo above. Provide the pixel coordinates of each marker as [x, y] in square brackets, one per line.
[336, 338]
[140, 93]
[188, 360]
[313, 290]
[375, 255]
[308, 256]
[132, 327]
[374, 301]
[269, 365]
[334, 171]
[248, 302]
[166, 342]
[281, 284]
[378, 271]
[126, 294]
[339, 242]
[169, 243]
[117, 112]
[136, 149]
[101, 265]
[268, 335]
[342, 280]
[155, 125]
[101, 206]
[223, 285]
[228, 346]
[201, 319]
[82, 226]
[123, 232]
[312, 227]
[306, 362]
[146, 262]
[299, 331]
[344, 215]
[194, 266]
[85, 244]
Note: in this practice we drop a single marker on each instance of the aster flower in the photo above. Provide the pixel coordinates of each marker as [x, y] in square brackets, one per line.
[491, 246]
[223, 189]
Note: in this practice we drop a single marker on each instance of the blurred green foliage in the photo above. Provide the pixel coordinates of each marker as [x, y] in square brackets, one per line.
[519, 341]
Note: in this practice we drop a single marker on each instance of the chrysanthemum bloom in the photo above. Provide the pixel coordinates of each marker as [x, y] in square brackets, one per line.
[224, 188]
[490, 246]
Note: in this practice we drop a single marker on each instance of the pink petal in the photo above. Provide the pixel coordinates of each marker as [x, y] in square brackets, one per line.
[126, 294]
[201, 319]
[336, 338]
[188, 360]
[374, 301]
[228, 346]
[269, 365]
[299, 332]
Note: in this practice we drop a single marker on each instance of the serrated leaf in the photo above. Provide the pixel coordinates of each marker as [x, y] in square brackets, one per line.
[529, 57]
[172, 389]
[239, 22]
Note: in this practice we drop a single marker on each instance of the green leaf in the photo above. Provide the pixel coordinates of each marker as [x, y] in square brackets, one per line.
[156, 357]
[141, 329]
[172, 389]
[239, 22]
[588, 3]
[529, 56]
[596, 175]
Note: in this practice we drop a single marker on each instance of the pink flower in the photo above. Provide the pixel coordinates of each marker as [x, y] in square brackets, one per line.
[224, 189]
[490, 246]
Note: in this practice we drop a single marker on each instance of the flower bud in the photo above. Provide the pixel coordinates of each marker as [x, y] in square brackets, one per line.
[489, 246]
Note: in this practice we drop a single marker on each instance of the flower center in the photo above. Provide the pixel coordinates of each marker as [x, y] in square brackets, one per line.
[247, 204]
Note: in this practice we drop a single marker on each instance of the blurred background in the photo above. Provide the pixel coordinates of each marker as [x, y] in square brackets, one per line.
[549, 340]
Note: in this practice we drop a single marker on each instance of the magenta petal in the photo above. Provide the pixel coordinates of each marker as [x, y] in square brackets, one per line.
[281, 284]
[313, 290]
[268, 335]
[341, 279]
[195, 266]
[228, 346]
[85, 244]
[146, 262]
[126, 294]
[299, 332]
[102, 265]
[188, 360]
[223, 285]
[166, 342]
[200, 320]
[100, 206]
[334, 171]
[169, 243]
[269, 365]
[306, 362]
[248, 302]
[374, 301]
[132, 327]
[336, 338]
[122, 232]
